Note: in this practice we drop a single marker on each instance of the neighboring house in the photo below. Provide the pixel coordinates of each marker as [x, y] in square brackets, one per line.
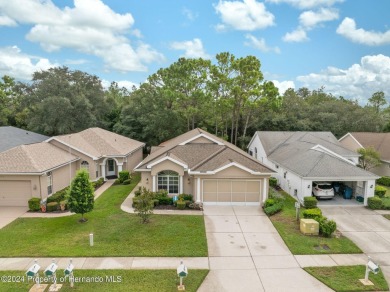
[300, 158]
[11, 137]
[41, 169]
[211, 169]
[379, 141]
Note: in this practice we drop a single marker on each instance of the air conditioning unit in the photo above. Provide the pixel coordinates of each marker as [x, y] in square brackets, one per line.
[309, 227]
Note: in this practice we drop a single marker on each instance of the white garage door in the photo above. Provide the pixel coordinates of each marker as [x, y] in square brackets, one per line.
[15, 193]
[232, 192]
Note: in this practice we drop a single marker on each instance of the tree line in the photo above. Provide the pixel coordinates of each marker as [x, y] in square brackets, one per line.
[229, 98]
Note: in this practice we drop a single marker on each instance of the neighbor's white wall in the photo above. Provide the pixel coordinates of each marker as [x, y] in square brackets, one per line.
[261, 156]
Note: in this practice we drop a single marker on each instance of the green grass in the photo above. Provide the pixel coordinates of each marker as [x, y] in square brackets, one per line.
[126, 280]
[288, 227]
[116, 233]
[346, 278]
[387, 216]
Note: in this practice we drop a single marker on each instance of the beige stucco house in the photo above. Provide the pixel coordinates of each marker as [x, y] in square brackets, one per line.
[211, 169]
[41, 169]
[379, 141]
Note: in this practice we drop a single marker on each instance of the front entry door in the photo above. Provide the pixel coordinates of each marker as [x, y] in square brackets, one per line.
[111, 167]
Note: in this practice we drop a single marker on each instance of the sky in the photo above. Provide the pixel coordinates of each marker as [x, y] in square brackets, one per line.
[341, 45]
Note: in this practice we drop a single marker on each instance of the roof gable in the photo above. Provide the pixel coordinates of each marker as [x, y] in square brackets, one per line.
[379, 141]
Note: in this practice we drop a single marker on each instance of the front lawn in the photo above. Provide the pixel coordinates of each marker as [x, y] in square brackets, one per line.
[116, 233]
[125, 280]
[346, 278]
[288, 227]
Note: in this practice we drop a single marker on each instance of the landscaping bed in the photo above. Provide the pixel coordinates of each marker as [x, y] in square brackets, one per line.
[116, 233]
[346, 278]
[288, 227]
[125, 280]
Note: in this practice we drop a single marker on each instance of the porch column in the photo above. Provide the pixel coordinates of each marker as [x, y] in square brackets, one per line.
[198, 190]
[120, 167]
[103, 165]
[181, 185]
[153, 183]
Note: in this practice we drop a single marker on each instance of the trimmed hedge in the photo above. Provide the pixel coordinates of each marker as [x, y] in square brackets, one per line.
[273, 182]
[327, 227]
[380, 191]
[52, 206]
[375, 203]
[185, 197]
[98, 183]
[181, 205]
[271, 210]
[34, 204]
[310, 202]
[384, 180]
[123, 175]
[312, 213]
[269, 203]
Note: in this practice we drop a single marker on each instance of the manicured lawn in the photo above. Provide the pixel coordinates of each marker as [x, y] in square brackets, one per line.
[116, 233]
[387, 216]
[346, 278]
[288, 227]
[126, 280]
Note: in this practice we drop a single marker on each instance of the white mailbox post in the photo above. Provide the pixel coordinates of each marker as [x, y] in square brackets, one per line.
[182, 272]
[50, 272]
[33, 272]
[69, 273]
[297, 206]
[370, 267]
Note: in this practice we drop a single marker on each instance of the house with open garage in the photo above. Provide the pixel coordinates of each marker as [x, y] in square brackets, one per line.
[304, 158]
[213, 170]
[379, 141]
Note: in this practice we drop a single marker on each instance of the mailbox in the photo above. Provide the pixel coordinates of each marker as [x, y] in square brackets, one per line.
[182, 271]
[373, 267]
[69, 269]
[51, 269]
[33, 270]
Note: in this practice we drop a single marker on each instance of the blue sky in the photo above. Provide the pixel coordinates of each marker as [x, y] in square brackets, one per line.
[341, 45]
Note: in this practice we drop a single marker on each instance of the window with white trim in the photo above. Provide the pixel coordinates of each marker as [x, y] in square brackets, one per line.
[49, 183]
[169, 181]
[85, 165]
[256, 152]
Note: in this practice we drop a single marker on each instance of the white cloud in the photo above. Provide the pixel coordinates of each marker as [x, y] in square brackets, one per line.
[247, 15]
[307, 4]
[298, 35]
[191, 16]
[348, 29]
[192, 49]
[259, 43]
[283, 85]
[359, 81]
[7, 21]
[312, 18]
[99, 31]
[21, 66]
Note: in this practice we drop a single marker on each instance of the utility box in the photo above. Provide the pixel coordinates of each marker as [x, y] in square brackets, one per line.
[309, 227]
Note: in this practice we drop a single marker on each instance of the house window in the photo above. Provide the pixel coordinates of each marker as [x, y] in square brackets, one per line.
[49, 183]
[256, 152]
[285, 174]
[169, 181]
[85, 165]
[277, 166]
[250, 152]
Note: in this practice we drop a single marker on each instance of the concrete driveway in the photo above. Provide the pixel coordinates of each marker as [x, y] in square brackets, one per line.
[247, 254]
[9, 214]
[367, 229]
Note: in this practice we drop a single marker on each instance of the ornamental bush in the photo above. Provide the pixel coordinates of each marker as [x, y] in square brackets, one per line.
[180, 204]
[314, 213]
[269, 203]
[327, 227]
[384, 180]
[310, 202]
[273, 181]
[271, 210]
[52, 206]
[123, 175]
[34, 204]
[380, 191]
[375, 203]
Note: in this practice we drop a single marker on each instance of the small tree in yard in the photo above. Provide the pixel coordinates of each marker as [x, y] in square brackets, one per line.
[369, 158]
[81, 195]
[144, 205]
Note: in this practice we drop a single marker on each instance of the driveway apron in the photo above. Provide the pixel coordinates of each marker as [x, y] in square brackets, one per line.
[9, 214]
[246, 253]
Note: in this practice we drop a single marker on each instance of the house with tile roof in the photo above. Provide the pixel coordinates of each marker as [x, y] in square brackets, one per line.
[41, 169]
[301, 158]
[11, 137]
[379, 141]
[211, 169]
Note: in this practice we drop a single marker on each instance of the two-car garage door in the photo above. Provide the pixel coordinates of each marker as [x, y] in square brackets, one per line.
[232, 191]
[15, 192]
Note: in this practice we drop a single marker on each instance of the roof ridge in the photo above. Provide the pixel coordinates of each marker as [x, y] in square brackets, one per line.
[29, 156]
[223, 148]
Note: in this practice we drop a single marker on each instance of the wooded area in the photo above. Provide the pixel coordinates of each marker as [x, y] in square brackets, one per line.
[229, 98]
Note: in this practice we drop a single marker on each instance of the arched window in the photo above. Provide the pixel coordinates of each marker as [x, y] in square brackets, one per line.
[169, 181]
[256, 152]
[85, 165]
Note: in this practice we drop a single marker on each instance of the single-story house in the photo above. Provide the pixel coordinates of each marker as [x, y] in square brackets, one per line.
[379, 141]
[41, 169]
[11, 137]
[301, 158]
[211, 169]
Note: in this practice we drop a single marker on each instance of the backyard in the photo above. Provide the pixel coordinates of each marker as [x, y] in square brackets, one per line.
[116, 233]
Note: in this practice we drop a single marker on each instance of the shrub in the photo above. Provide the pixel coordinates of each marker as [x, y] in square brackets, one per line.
[127, 182]
[310, 202]
[276, 196]
[155, 202]
[196, 206]
[34, 204]
[185, 197]
[58, 196]
[273, 181]
[144, 205]
[181, 205]
[165, 201]
[135, 201]
[52, 206]
[374, 203]
[117, 182]
[98, 183]
[271, 210]
[380, 191]
[269, 203]
[312, 213]
[138, 192]
[327, 227]
[123, 175]
[384, 180]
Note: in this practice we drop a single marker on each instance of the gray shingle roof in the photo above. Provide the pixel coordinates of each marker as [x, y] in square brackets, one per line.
[11, 137]
[379, 141]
